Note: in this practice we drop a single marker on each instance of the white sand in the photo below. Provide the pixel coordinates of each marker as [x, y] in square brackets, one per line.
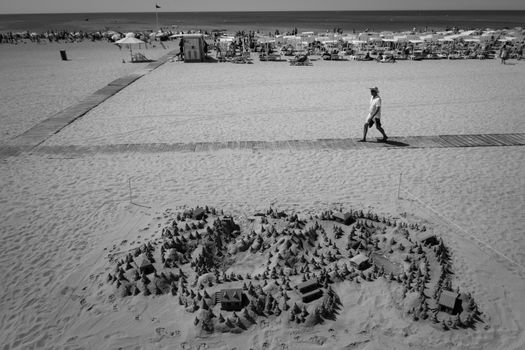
[273, 101]
[36, 83]
[58, 214]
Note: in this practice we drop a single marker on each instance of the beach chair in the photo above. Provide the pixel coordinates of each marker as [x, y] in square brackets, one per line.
[270, 57]
[300, 61]
[139, 57]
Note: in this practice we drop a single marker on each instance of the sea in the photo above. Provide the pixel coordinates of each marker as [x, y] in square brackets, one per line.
[263, 22]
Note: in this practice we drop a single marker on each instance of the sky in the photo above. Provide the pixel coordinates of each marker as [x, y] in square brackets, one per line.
[81, 6]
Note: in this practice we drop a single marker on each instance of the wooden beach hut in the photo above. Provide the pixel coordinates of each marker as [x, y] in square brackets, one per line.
[194, 48]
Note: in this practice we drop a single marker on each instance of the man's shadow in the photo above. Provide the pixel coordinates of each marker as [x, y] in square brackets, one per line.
[394, 143]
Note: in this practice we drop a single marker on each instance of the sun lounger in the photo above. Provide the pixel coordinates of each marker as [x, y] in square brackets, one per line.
[300, 61]
[139, 57]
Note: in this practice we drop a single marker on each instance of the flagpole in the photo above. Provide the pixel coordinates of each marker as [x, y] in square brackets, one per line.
[157, 17]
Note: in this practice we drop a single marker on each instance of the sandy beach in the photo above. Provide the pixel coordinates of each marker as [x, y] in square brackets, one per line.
[61, 215]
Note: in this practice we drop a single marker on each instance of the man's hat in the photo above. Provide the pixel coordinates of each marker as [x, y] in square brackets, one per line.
[375, 88]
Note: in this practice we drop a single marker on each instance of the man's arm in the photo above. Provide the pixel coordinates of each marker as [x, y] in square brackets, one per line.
[377, 111]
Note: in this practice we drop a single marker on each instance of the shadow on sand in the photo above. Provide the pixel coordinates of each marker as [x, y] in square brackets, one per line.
[394, 143]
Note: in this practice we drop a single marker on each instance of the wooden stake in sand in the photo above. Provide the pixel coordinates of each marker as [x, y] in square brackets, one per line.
[129, 182]
[131, 196]
[399, 186]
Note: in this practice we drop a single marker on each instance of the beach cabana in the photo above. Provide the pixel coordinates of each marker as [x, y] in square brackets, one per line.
[194, 48]
[130, 41]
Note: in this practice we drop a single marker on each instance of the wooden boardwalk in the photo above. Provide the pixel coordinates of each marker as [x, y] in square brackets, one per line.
[409, 142]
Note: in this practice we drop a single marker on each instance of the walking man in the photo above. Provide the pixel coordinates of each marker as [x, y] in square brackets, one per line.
[374, 115]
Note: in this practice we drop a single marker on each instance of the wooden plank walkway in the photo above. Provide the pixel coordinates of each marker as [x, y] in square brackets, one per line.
[52, 125]
[408, 142]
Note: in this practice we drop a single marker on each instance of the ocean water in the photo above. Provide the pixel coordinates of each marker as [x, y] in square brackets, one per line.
[317, 21]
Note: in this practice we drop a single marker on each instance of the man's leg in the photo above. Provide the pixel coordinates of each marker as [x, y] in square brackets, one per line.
[365, 131]
[380, 128]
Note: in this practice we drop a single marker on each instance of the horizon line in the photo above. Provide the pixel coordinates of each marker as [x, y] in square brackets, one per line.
[229, 11]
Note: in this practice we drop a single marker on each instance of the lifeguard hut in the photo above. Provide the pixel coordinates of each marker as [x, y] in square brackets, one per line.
[194, 48]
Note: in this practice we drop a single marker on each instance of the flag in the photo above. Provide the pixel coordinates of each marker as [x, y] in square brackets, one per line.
[157, 6]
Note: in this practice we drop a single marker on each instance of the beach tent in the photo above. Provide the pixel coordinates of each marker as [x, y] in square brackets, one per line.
[129, 41]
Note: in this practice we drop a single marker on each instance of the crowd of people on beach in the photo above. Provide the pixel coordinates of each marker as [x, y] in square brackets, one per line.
[62, 36]
[366, 46]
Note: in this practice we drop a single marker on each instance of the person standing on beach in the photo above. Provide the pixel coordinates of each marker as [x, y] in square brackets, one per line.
[374, 115]
[181, 47]
[504, 54]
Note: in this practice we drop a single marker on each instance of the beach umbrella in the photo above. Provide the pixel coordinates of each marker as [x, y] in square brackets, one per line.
[129, 41]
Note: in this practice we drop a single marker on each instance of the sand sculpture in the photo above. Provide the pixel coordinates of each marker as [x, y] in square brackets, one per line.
[196, 260]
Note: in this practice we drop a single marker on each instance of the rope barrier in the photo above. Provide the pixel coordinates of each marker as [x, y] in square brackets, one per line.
[462, 230]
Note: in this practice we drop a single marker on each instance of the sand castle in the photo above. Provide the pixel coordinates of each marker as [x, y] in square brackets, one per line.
[198, 260]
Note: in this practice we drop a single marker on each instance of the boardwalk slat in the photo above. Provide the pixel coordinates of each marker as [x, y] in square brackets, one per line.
[470, 140]
[281, 144]
[495, 140]
[450, 140]
[198, 146]
[294, 144]
[520, 138]
[515, 138]
[481, 141]
[487, 140]
[462, 141]
[506, 140]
